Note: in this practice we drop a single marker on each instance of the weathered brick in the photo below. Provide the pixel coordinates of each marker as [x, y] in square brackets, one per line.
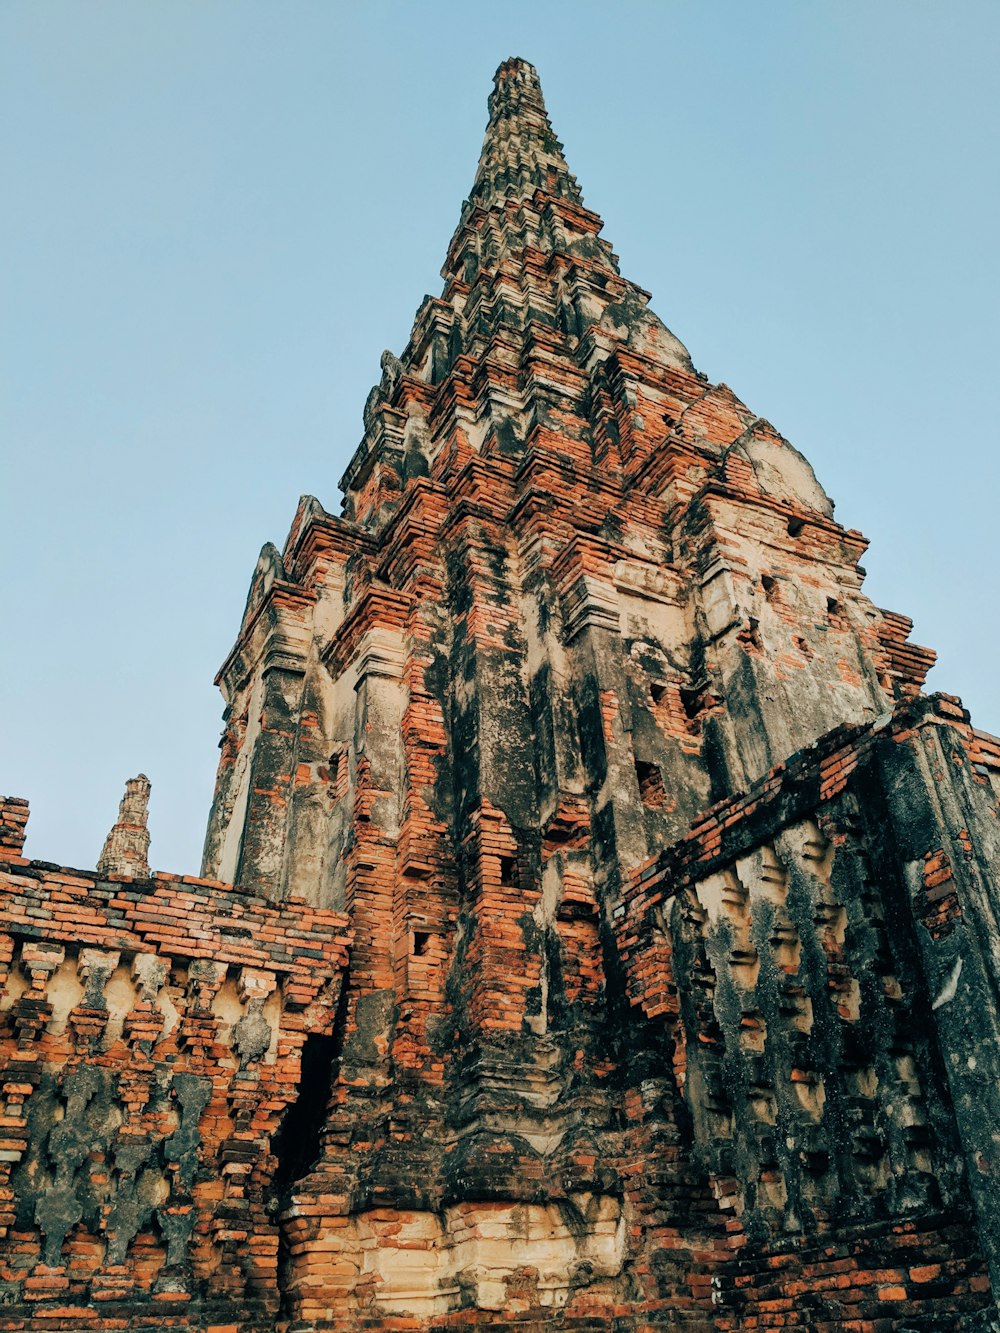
[609, 896]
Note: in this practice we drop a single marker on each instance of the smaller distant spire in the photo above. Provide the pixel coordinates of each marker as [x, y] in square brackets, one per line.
[521, 153]
[126, 848]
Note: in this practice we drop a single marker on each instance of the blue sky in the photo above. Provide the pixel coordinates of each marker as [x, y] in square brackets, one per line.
[217, 213]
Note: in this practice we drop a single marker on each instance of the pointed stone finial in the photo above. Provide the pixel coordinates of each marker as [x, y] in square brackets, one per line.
[521, 153]
[126, 848]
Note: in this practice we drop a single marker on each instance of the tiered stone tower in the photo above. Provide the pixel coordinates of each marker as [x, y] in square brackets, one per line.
[670, 995]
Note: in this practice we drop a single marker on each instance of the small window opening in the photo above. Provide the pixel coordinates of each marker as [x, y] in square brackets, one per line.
[795, 526]
[339, 773]
[803, 647]
[833, 607]
[770, 586]
[650, 781]
[656, 691]
[693, 701]
[751, 634]
[508, 870]
[421, 939]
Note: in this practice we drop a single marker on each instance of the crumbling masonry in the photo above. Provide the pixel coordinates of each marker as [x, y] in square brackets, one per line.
[598, 925]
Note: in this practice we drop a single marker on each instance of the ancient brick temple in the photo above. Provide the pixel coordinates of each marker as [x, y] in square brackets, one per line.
[597, 927]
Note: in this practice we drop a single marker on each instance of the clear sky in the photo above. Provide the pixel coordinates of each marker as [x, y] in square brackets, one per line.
[217, 213]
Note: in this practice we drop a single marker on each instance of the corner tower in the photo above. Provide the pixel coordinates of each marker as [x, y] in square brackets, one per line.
[578, 599]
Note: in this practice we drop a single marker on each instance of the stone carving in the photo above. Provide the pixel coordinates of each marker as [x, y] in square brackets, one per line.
[95, 967]
[66, 1145]
[251, 1035]
[192, 1092]
[392, 368]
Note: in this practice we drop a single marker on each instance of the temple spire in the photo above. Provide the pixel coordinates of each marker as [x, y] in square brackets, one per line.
[520, 153]
[126, 847]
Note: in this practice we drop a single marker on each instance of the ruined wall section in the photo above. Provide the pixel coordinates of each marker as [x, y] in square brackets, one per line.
[805, 963]
[942, 801]
[151, 1039]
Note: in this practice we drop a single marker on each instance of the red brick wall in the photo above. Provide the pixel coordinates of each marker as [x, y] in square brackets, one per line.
[141, 1093]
